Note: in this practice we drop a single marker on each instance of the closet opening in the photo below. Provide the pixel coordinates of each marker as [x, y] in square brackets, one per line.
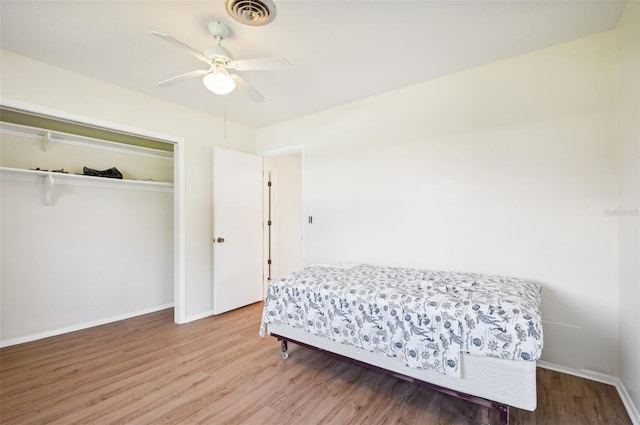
[81, 249]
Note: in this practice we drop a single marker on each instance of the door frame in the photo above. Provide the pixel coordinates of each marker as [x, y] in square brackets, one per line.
[283, 152]
[270, 205]
[179, 200]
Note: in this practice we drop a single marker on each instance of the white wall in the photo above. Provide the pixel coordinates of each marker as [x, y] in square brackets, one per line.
[629, 198]
[507, 168]
[75, 94]
[93, 254]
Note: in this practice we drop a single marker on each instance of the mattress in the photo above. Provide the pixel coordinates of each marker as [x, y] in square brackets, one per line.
[421, 319]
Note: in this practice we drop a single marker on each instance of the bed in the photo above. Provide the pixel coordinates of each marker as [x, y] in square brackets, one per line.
[474, 336]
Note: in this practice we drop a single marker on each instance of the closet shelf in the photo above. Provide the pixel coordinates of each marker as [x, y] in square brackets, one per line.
[49, 138]
[49, 179]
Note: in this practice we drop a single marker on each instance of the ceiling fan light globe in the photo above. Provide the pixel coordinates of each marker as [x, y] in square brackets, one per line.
[219, 82]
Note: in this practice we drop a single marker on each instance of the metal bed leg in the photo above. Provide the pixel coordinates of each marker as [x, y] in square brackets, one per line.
[485, 415]
[504, 414]
[284, 348]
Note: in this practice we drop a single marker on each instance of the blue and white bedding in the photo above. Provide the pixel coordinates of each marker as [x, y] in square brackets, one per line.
[427, 318]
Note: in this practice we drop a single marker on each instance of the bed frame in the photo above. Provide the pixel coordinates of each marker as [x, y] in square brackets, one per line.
[489, 382]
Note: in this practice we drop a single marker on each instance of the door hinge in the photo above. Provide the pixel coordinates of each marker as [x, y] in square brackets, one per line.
[269, 223]
[268, 261]
[268, 183]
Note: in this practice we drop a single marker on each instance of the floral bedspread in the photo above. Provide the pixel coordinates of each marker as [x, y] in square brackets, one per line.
[425, 317]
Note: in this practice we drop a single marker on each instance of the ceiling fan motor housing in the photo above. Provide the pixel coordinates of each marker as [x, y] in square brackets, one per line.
[219, 52]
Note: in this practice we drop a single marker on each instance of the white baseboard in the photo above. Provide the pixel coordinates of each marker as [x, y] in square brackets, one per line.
[632, 410]
[582, 373]
[81, 326]
[199, 316]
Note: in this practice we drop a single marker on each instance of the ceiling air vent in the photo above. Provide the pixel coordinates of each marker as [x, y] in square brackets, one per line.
[252, 12]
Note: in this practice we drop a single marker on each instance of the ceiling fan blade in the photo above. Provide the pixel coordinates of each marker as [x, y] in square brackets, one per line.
[179, 43]
[260, 64]
[180, 78]
[246, 88]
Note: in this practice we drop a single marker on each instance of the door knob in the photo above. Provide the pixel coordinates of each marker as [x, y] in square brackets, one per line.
[220, 240]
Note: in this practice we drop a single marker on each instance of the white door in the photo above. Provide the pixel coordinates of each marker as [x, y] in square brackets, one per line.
[237, 229]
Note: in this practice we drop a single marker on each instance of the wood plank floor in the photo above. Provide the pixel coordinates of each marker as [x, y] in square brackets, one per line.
[148, 370]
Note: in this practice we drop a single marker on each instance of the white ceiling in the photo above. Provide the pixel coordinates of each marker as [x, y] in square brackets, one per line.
[340, 51]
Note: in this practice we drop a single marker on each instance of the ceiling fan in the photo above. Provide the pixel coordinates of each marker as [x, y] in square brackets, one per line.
[217, 78]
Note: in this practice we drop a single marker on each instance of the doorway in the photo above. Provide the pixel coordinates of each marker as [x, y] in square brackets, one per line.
[283, 210]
